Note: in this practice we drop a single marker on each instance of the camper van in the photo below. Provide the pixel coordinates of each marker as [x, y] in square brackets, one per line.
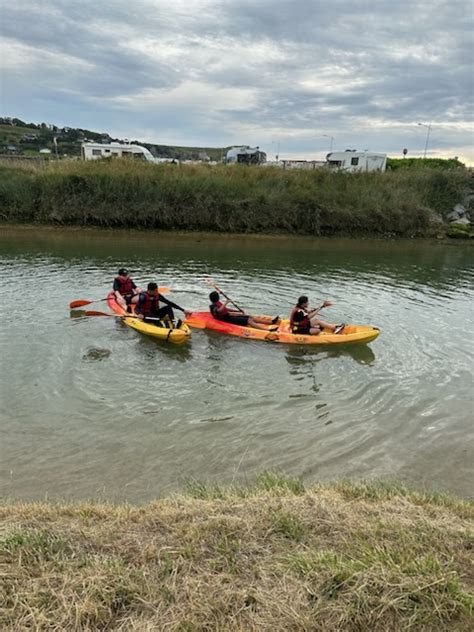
[353, 161]
[245, 155]
[95, 151]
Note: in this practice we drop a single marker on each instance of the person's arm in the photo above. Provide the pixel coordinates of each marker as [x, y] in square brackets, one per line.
[138, 306]
[163, 299]
[174, 305]
[116, 289]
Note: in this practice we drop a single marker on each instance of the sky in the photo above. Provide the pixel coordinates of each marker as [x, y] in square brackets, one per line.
[294, 77]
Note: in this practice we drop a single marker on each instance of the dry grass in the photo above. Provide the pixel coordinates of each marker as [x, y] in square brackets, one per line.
[275, 556]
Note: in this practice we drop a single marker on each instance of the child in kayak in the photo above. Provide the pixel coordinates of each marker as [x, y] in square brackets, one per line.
[220, 312]
[126, 291]
[303, 321]
[148, 305]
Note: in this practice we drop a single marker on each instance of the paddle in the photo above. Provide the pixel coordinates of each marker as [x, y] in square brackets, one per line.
[211, 283]
[195, 322]
[84, 302]
[318, 309]
[94, 313]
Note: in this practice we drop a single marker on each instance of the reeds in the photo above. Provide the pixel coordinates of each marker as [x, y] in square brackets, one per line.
[229, 199]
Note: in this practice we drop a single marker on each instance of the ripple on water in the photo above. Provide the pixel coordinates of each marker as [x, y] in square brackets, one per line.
[117, 415]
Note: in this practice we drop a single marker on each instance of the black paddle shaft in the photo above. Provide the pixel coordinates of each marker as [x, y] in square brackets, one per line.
[229, 299]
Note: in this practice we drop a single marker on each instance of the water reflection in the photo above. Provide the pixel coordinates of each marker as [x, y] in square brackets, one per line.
[161, 351]
[400, 262]
[361, 353]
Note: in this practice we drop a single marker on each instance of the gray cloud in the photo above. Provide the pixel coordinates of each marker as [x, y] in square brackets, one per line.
[211, 72]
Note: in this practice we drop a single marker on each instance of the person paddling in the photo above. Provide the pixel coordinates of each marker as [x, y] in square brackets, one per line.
[148, 305]
[303, 319]
[220, 311]
[126, 290]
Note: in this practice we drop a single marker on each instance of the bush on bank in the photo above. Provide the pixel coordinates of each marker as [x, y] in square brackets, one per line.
[229, 199]
[424, 163]
[274, 556]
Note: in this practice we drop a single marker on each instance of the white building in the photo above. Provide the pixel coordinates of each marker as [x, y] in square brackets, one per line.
[352, 160]
[96, 151]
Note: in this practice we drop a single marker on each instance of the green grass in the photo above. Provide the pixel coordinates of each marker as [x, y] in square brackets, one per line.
[229, 199]
[15, 133]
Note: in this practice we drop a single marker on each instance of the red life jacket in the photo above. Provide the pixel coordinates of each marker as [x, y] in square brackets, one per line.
[304, 323]
[150, 304]
[217, 310]
[125, 286]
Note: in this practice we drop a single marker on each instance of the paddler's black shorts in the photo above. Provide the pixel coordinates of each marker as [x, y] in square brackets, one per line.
[243, 321]
[302, 331]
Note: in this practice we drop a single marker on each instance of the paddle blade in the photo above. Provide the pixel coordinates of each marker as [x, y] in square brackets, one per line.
[164, 290]
[195, 322]
[210, 282]
[79, 303]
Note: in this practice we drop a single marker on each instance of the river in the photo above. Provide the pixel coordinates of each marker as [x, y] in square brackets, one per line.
[93, 410]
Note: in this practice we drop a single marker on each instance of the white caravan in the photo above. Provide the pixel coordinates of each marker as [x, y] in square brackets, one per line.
[352, 160]
[96, 151]
[245, 155]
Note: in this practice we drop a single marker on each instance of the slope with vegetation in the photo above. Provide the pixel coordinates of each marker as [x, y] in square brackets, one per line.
[275, 556]
[121, 193]
[28, 138]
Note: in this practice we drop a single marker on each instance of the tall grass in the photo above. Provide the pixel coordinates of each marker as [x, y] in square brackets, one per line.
[228, 199]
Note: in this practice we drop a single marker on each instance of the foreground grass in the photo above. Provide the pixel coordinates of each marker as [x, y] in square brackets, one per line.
[230, 199]
[274, 556]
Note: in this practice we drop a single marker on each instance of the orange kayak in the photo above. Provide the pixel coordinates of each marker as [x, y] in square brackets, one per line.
[350, 333]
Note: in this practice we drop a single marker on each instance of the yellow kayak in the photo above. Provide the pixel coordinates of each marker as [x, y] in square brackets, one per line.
[350, 333]
[176, 335]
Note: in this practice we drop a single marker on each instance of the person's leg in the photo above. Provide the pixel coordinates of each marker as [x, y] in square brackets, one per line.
[266, 320]
[336, 329]
[165, 314]
[164, 311]
[121, 301]
[322, 324]
[257, 324]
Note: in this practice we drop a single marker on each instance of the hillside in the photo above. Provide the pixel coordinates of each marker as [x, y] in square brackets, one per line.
[27, 139]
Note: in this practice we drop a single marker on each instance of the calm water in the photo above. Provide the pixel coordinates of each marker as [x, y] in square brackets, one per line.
[90, 409]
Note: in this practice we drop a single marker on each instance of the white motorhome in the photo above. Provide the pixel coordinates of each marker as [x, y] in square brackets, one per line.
[96, 151]
[245, 155]
[352, 160]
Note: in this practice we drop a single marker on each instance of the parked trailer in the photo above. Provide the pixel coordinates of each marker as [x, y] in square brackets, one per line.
[245, 155]
[353, 161]
[96, 151]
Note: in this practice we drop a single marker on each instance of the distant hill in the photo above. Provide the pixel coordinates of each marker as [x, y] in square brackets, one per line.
[27, 139]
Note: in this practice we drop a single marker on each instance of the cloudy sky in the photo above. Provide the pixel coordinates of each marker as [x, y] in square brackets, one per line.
[286, 75]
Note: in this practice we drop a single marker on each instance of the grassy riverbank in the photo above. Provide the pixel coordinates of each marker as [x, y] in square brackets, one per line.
[225, 199]
[274, 556]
